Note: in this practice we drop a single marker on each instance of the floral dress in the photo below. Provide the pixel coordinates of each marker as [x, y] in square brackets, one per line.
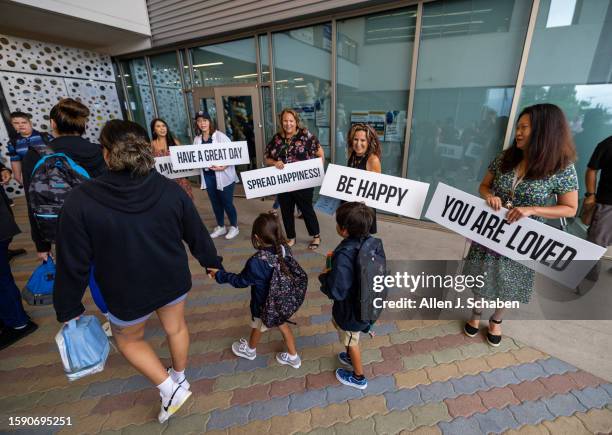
[505, 278]
[183, 182]
[302, 146]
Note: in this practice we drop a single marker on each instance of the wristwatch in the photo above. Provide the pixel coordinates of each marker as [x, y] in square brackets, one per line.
[587, 194]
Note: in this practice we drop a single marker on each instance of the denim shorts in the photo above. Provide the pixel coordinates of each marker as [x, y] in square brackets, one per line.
[124, 324]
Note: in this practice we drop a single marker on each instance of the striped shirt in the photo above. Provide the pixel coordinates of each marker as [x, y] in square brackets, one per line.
[18, 147]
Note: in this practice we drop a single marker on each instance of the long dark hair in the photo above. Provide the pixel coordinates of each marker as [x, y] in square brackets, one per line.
[551, 147]
[268, 230]
[169, 137]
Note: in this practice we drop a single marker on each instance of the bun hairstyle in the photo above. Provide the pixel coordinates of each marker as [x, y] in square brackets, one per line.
[267, 231]
[298, 121]
[70, 116]
[128, 147]
[374, 146]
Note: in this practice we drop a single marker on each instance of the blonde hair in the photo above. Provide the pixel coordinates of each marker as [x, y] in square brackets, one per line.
[298, 121]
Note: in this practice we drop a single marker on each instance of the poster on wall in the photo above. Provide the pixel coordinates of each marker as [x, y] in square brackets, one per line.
[449, 151]
[377, 122]
[374, 118]
[395, 129]
[306, 111]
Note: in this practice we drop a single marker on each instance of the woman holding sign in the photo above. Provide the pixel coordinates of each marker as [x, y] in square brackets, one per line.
[133, 221]
[161, 143]
[523, 179]
[218, 181]
[364, 153]
[293, 143]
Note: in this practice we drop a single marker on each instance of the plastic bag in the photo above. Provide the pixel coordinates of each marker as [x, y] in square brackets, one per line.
[83, 347]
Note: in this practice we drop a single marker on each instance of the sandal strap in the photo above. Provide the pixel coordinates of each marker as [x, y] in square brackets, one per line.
[497, 322]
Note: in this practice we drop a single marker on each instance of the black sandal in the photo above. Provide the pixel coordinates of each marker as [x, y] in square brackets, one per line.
[314, 245]
[494, 340]
[470, 330]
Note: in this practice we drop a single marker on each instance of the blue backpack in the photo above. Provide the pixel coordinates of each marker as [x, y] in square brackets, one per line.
[39, 288]
[53, 177]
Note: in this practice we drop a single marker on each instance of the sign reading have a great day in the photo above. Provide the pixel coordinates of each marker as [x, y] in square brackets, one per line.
[384, 192]
[163, 165]
[294, 176]
[210, 154]
[551, 252]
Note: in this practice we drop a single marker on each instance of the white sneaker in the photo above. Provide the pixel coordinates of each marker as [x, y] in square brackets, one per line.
[182, 382]
[241, 349]
[285, 358]
[218, 231]
[170, 405]
[233, 232]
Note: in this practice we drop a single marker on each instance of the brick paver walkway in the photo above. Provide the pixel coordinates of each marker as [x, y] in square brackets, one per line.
[424, 376]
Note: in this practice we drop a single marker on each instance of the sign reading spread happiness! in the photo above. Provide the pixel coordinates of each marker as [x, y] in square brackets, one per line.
[385, 192]
[551, 252]
[210, 154]
[163, 165]
[294, 176]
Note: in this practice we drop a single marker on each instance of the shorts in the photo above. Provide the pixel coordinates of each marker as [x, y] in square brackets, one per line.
[256, 323]
[347, 338]
[124, 324]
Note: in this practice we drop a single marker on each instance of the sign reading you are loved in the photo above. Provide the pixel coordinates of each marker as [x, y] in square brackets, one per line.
[210, 154]
[551, 252]
[384, 192]
[294, 176]
[163, 165]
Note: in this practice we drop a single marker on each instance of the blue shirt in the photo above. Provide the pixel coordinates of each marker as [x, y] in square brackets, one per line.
[17, 148]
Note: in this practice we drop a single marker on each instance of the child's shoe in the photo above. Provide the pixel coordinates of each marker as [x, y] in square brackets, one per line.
[347, 377]
[345, 359]
[241, 348]
[171, 404]
[285, 358]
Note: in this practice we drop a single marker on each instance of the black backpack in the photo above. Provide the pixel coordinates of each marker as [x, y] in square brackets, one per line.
[371, 261]
[53, 177]
[286, 293]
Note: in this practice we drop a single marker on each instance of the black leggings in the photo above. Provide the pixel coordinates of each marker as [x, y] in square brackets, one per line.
[303, 200]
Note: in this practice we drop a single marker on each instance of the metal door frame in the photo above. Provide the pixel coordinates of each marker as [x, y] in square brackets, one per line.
[236, 90]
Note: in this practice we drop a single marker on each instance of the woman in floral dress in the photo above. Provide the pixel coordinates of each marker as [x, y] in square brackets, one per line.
[162, 140]
[522, 179]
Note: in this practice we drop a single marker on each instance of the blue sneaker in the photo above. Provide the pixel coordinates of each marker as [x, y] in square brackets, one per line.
[345, 359]
[347, 377]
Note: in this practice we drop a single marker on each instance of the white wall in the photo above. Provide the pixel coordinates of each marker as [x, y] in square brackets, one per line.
[129, 15]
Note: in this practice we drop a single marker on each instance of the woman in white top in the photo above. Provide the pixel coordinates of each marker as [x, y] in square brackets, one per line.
[218, 181]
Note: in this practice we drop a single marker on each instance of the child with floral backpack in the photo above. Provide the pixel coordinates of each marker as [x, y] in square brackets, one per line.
[278, 287]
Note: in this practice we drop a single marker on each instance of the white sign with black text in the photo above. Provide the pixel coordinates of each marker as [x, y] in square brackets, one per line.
[384, 192]
[554, 253]
[294, 176]
[163, 165]
[209, 154]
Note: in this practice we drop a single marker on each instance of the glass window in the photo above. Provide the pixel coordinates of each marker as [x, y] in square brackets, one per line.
[268, 118]
[226, 63]
[373, 76]
[169, 95]
[302, 71]
[570, 65]
[139, 91]
[464, 87]
[264, 58]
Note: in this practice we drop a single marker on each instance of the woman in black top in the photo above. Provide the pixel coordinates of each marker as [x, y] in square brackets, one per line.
[294, 143]
[132, 222]
[364, 151]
